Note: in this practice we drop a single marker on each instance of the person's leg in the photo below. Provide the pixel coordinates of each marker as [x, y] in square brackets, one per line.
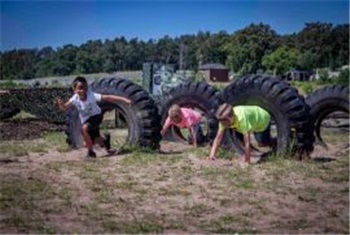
[103, 141]
[94, 129]
[88, 141]
[199, 135]
[264, 138]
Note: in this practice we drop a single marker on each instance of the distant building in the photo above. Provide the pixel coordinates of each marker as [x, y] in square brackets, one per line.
[214, 72]
[298, 75]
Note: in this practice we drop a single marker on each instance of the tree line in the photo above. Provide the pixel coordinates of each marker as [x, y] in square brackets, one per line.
[254, 48]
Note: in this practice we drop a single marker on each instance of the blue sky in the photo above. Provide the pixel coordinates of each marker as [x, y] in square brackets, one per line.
[36, 24]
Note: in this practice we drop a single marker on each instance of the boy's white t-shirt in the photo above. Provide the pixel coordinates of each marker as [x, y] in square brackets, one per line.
[88, 107]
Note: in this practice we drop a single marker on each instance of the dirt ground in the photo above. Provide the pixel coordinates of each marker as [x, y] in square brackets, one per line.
[175, 191]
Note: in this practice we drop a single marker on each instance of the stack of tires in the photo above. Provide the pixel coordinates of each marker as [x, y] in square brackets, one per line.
[289, 111]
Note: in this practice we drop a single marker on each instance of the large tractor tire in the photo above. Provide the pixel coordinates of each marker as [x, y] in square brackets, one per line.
[288, 112]
[141, 117]
[8, 112]
[73, 128]
[196, 95]
[325, 101]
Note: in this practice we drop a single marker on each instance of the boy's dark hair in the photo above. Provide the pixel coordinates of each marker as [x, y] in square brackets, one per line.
[79, 79]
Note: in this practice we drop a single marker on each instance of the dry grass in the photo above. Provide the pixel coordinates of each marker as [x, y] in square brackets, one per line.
[55, 191]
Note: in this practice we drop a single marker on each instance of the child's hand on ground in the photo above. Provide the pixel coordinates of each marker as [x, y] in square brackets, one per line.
[211, 158]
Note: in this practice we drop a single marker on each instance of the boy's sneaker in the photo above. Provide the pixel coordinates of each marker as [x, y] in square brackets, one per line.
[107, 142]
[112, 151]
[90, 154]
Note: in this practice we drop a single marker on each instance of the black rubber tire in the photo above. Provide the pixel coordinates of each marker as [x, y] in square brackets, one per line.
[291, 115]
[142, 117]
[326, 100]
[198, 95]
[73, 129]
[8, 112]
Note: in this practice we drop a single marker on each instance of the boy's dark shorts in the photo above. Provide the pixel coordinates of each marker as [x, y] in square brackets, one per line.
[263, 137]
[94, 123]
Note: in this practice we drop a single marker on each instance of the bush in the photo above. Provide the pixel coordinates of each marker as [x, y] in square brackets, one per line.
[307, 88]
[324, 76]
[38, 102]
[343, 78]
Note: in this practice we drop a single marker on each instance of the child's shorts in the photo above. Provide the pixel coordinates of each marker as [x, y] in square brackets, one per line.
[264, 137]
[94, 123]
[199, 134]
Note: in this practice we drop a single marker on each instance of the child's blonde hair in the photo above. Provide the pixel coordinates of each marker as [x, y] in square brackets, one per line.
[174, 111]
[224, 111]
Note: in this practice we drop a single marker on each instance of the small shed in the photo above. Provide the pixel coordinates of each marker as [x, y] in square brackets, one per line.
[214, 72]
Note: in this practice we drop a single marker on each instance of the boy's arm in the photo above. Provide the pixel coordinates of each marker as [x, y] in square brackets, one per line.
[63, 106]
[216, 143]
[115, 98]
[247, 147]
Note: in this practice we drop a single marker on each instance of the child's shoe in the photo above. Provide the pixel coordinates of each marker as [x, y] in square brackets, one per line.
[112, 151]
[90, 154]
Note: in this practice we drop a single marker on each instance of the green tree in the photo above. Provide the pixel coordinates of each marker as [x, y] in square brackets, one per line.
[247, 47]
[316, 38]
[307, 61]
[281, 60]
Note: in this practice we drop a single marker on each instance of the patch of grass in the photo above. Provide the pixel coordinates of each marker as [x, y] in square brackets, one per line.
[240, 178]
[22, 192]
[225, 154]
[66, 195]
[229, 224]
[141, 158]
[52, 140]
[22, 148]
[170, 191]
[57, 140]
[20, 201]
[22, 115]
[139, 227]
[197, 210]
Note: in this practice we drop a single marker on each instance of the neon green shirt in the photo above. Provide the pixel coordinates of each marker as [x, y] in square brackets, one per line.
[249, 118]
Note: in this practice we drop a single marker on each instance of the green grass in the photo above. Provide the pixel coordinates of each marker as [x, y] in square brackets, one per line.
[50, 141]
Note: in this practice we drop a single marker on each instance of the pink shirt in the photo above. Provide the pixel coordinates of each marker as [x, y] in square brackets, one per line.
[189, 118]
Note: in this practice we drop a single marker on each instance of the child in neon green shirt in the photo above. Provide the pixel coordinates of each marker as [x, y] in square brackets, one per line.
[245, 119]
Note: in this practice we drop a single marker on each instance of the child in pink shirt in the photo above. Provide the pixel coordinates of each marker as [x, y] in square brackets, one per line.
[185, 118]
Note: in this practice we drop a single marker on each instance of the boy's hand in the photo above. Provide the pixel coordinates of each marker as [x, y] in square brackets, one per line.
[60, 104]
[211, 158]
[58, 101]
[128, 102]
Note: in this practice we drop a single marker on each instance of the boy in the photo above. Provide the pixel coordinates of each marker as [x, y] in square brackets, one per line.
[90, 114]
[185, 118]
[245, 119]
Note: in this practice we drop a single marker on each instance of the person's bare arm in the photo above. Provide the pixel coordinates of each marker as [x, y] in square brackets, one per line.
[115, 98]
[163, 131]
[247, 147]
[63, 106]
[216, 143]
